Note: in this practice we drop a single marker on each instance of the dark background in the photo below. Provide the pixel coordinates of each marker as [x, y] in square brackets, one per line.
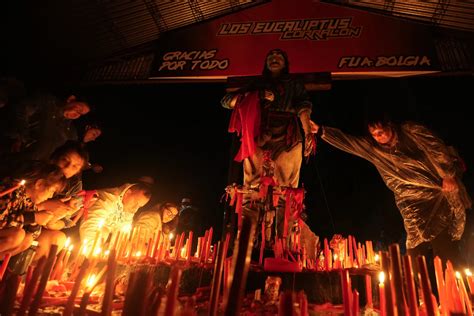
[177, 133]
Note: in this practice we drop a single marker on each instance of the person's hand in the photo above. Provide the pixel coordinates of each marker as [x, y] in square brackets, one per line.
[43, 217]
[450, 185]
[57, 207]
[314, 127]
[269, 96]
[308, 144]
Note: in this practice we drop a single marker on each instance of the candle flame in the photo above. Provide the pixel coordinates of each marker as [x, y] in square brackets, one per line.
[138, 254]
[101, 223]
[97, 251]
[458, 275]
[468, 272]
[335, 256]
[171, 236]
[70, 247]
[67, 243]
[90, 281]
[126, 228]
[107, 252]
[382, 277]
[376, 258]
[22, 182]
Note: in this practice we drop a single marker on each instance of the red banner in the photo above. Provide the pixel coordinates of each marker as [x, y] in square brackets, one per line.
[318, 37]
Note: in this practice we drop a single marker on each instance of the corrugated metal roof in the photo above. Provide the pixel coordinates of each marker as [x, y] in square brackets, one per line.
[452, 14]
[114, 26]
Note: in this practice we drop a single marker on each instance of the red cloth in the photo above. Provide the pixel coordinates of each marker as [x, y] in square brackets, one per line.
[245, 121]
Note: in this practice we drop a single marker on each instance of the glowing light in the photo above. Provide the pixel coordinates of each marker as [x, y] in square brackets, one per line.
[126, 228]
[101, 223]
[90, 281]
[171, 236]
[70, 248]
[97, 251]
[376, 258]
[22, 182]
[458, 275]
[382, 277]
[67, 243]
[468, 272]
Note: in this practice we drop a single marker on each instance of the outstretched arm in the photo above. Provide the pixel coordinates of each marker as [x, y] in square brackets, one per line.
[358, 146]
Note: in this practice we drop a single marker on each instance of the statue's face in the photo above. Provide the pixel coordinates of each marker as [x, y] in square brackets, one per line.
[275, 62]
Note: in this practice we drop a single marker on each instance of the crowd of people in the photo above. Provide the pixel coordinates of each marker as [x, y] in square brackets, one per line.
[42, 199]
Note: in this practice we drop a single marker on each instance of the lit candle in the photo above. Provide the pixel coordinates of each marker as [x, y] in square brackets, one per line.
[59, 261]
[10, 190]
[464, 295]
[87, 293]
[383, 311]
[470, 281]
[63, 265]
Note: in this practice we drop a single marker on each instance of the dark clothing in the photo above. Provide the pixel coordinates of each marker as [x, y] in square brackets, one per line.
[190, 220]
[41, 127]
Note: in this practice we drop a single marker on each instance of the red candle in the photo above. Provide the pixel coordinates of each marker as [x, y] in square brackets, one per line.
[3, 268]
[75, 289]
[383, 310]
[438, 265]
[355, 303]
[396, 280]
[44, 280]
[346, 292]
[31, 286]
[173, 289]
[368, 291]
[464, 295]
[425, 285]
[410, 284]
[109, 284]
[470, 281]
[189, 248]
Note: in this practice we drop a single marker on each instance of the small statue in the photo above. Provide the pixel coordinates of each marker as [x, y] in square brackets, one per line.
[272, 289]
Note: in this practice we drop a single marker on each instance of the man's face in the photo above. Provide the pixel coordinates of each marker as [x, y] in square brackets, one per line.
[275, 62]
[91, 134]
[133, 200]
[75, 110]
[383, 135]
[71, 164]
